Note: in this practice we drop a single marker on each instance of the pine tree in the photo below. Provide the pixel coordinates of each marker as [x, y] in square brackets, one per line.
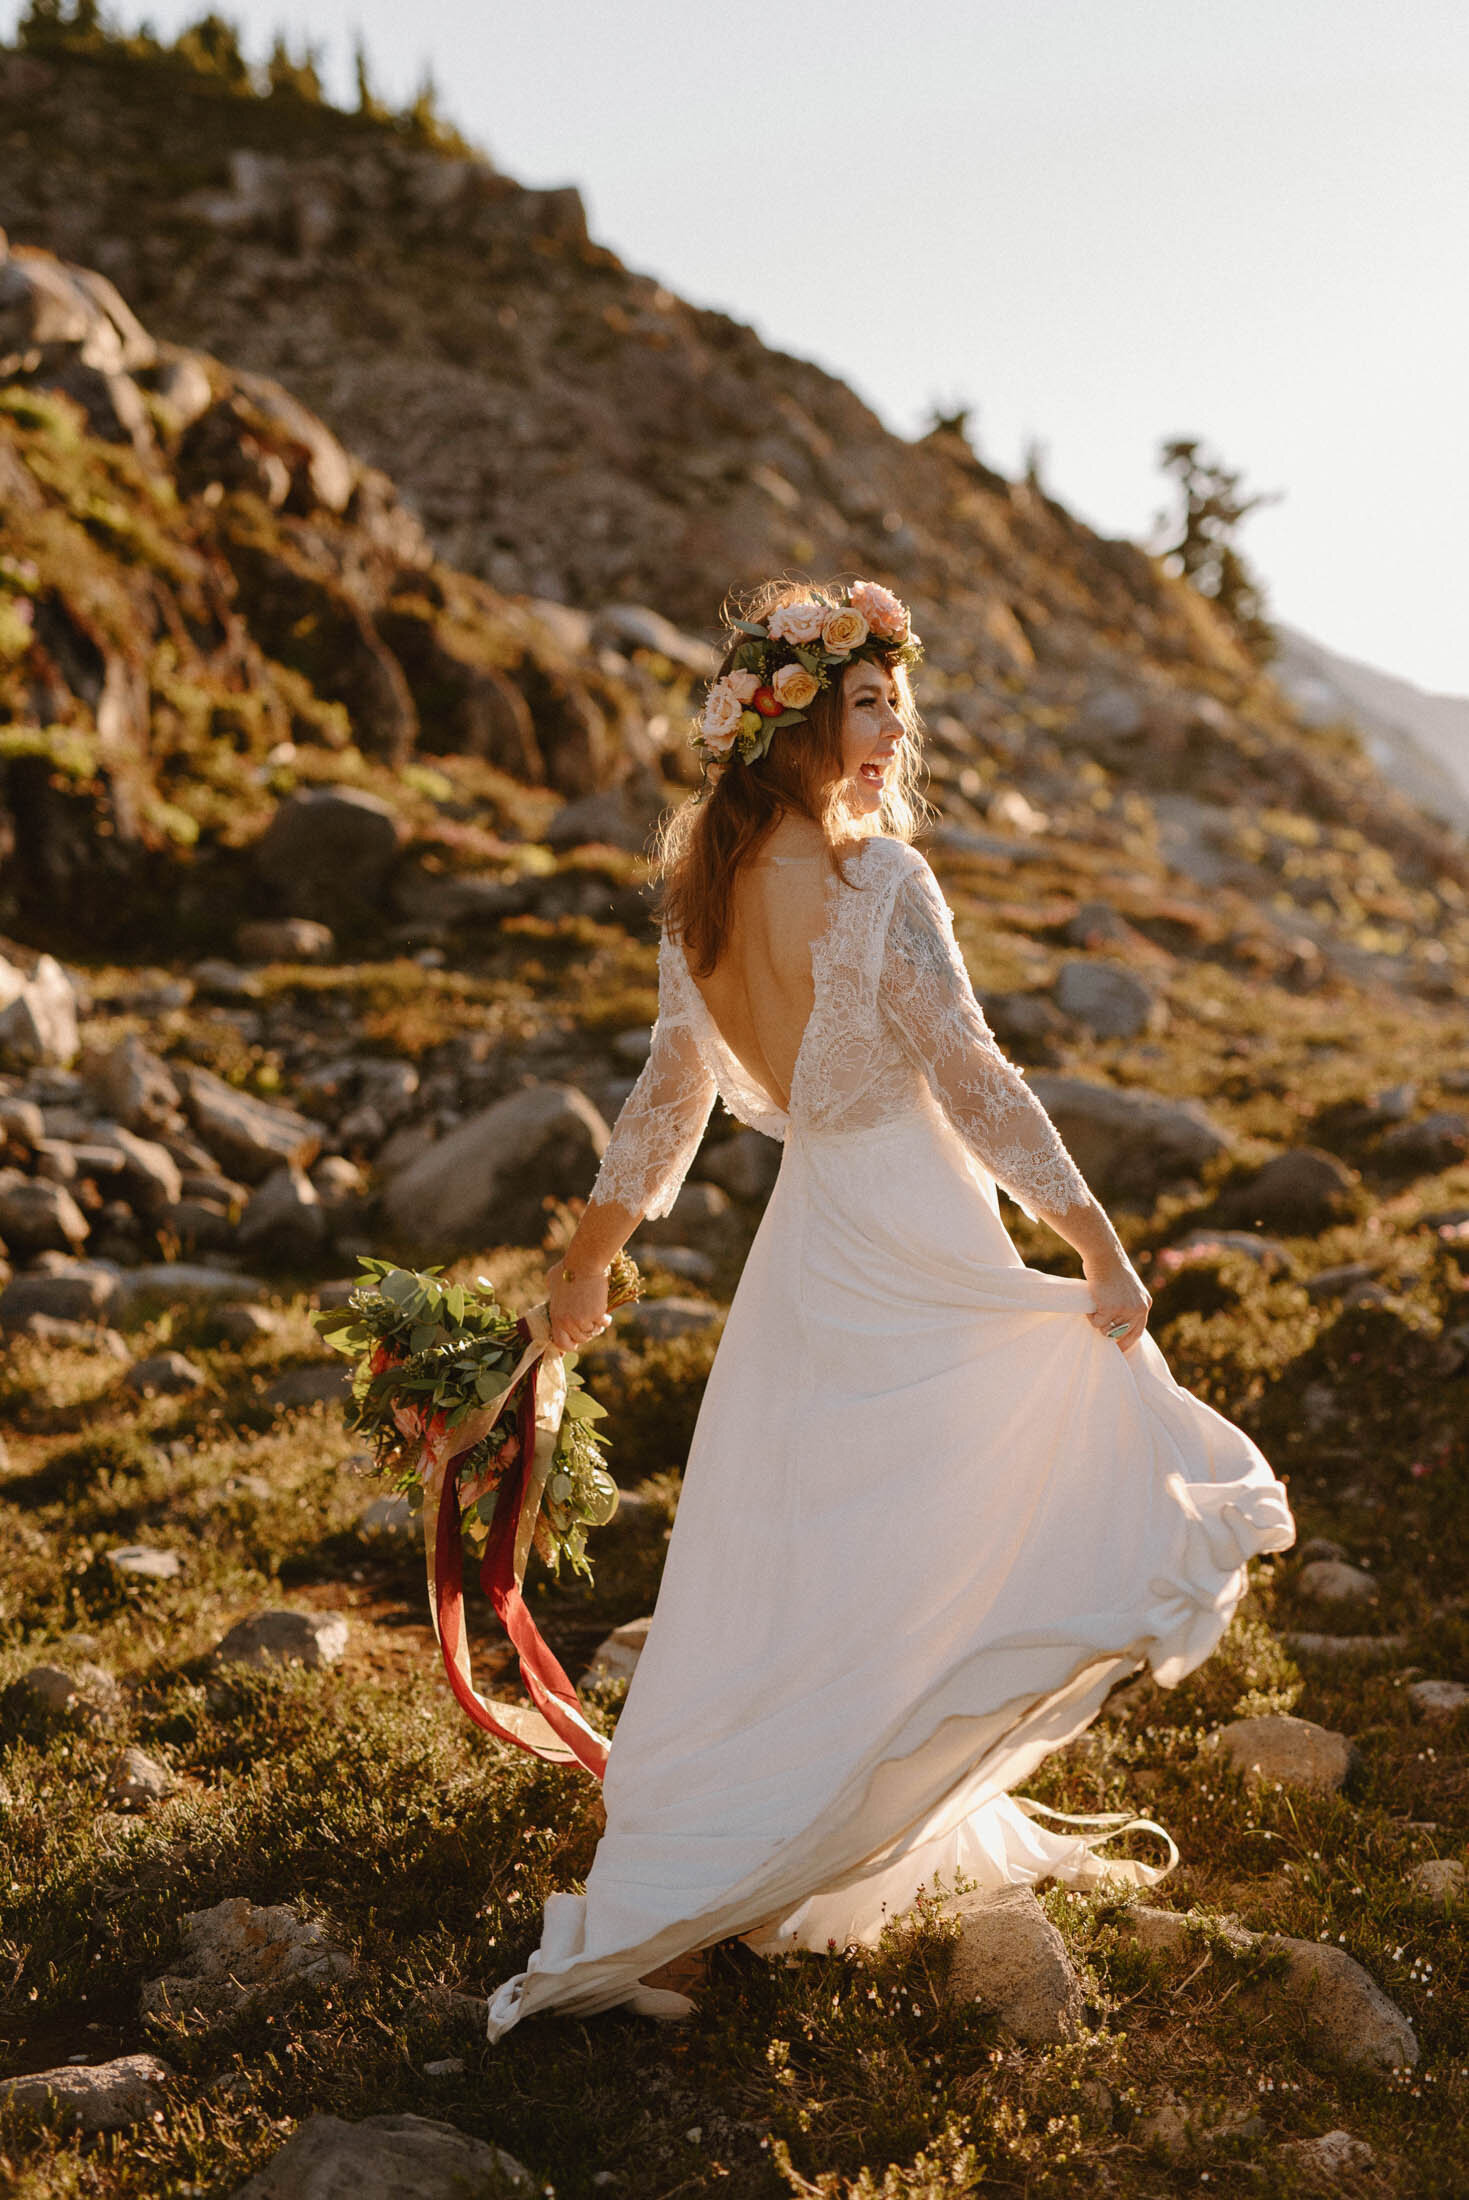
[369, 106]
[1212, 507]
[212, 46]
[286, 76]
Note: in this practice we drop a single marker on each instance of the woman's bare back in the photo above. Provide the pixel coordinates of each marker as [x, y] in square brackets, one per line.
[760, 993]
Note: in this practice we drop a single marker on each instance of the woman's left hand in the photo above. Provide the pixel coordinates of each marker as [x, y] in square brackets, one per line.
[577, 1310]
[1120, 1299]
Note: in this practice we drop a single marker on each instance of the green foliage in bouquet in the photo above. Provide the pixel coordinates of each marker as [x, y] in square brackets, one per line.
[430, 1354]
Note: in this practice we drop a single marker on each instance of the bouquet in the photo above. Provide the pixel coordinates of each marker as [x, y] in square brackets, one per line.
[475, 1415]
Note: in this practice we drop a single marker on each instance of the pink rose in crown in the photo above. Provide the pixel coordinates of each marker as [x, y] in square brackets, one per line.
[722, 714]
[843, 631]
[742, 684]
[881, 609]
[798, 622]
[795, 687]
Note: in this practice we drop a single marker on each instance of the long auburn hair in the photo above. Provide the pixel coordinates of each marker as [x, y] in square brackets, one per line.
[703, 844]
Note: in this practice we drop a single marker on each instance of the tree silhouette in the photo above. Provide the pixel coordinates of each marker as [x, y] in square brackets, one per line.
[1212, 505]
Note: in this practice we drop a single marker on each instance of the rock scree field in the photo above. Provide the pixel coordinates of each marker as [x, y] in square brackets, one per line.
[352, 606]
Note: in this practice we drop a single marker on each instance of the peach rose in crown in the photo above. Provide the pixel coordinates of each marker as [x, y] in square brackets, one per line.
[798, 622]
[721, 720]
[742, 684]
[795, 687]
[881, 609]
[843, 631]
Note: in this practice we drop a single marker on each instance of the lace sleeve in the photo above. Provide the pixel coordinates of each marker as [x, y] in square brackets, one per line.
[662, 1120]
[926, 995]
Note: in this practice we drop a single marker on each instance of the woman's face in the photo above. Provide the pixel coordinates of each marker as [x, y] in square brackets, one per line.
[871, 731]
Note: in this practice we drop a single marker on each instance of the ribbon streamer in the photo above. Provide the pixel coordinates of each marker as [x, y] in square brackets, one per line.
[552, 1726]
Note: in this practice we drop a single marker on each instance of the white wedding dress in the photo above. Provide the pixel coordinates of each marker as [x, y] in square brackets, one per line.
[930, 1515]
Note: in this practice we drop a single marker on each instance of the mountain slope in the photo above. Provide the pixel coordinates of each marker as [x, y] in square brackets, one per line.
[1419, 740]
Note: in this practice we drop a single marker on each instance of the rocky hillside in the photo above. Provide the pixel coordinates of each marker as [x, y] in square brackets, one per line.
[565, 428]
[326, 930]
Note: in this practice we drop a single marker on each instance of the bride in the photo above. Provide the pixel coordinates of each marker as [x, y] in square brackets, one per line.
[937, 1503]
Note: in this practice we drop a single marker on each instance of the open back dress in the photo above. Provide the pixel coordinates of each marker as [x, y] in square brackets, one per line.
[930, 1515]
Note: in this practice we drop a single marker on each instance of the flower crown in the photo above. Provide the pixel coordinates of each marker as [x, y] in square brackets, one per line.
[781, 667]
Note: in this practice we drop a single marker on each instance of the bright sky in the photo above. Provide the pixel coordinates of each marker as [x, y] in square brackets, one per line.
[1097, 222]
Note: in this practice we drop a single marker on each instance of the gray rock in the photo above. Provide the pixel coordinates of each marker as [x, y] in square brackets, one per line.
[1334, 2154]
[616, 1658]
[284, 1638]
[1329, 1581]
[630, 626]
[1347, 1281]
[362, 1129]
[38, 1015]
[22, 1121]
[1303, 1192]
[685, 1261]
[633, 1047]
[387, 2158]
[327, 847]
[218, 980]
[1439, 1699]
[55, 1160]
[1266, 1252]
[239, 1325]
[390, 1519]
[1351, 2020]
[134, 1086]
[698, 1216]
[181, 1283]
[151, 1178]
[657, 1319]
[1320, 1546]
[93, 2097]
[75, 1291]
[89, 1693]
[37, 1216]
[1171, 1934]
[1010, 1957]
[1295, 1752]
[169, 1374]
[237, 1955]
[140, 1562]
[1128, 1145]
[285, 1221]
[486, 1181]
[449, 2066]
[198, 1225]
[1111, 1000]
[1440, 1141]
[746, 1166]
[614, 817]
[220, 1191]
[137, 1781]
[309, 1386]
[1437, 1879]
[250, 1136]
[1347, 1646]
[73, 1336]
[284, 939]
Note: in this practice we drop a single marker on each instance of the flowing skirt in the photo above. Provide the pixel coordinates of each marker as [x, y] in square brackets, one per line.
[930, 1517]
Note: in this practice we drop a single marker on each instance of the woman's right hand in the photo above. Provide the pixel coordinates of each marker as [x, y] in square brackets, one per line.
[577, 1310]
[1119, 1297]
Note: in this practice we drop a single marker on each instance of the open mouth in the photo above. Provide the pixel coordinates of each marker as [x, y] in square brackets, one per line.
[872, 771]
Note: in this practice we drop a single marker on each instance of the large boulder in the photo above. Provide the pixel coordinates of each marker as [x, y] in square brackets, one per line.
[38, 1015]
[486, 1183]
[95, 2096]
[387, 2158]
[329, 849]
[250, 1136]
[37, 1216]
[1010, 1957]
[239, 1954]
[1302, 1192]
[285, 1221]
[1351, 2021]
[1111, 1000]
[284, 1638]
[1285, 1751]
[68, 1290]
[1129, 1145]
[134, 1086]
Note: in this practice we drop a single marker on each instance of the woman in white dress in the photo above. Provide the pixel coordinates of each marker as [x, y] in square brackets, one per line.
[937, 1503]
